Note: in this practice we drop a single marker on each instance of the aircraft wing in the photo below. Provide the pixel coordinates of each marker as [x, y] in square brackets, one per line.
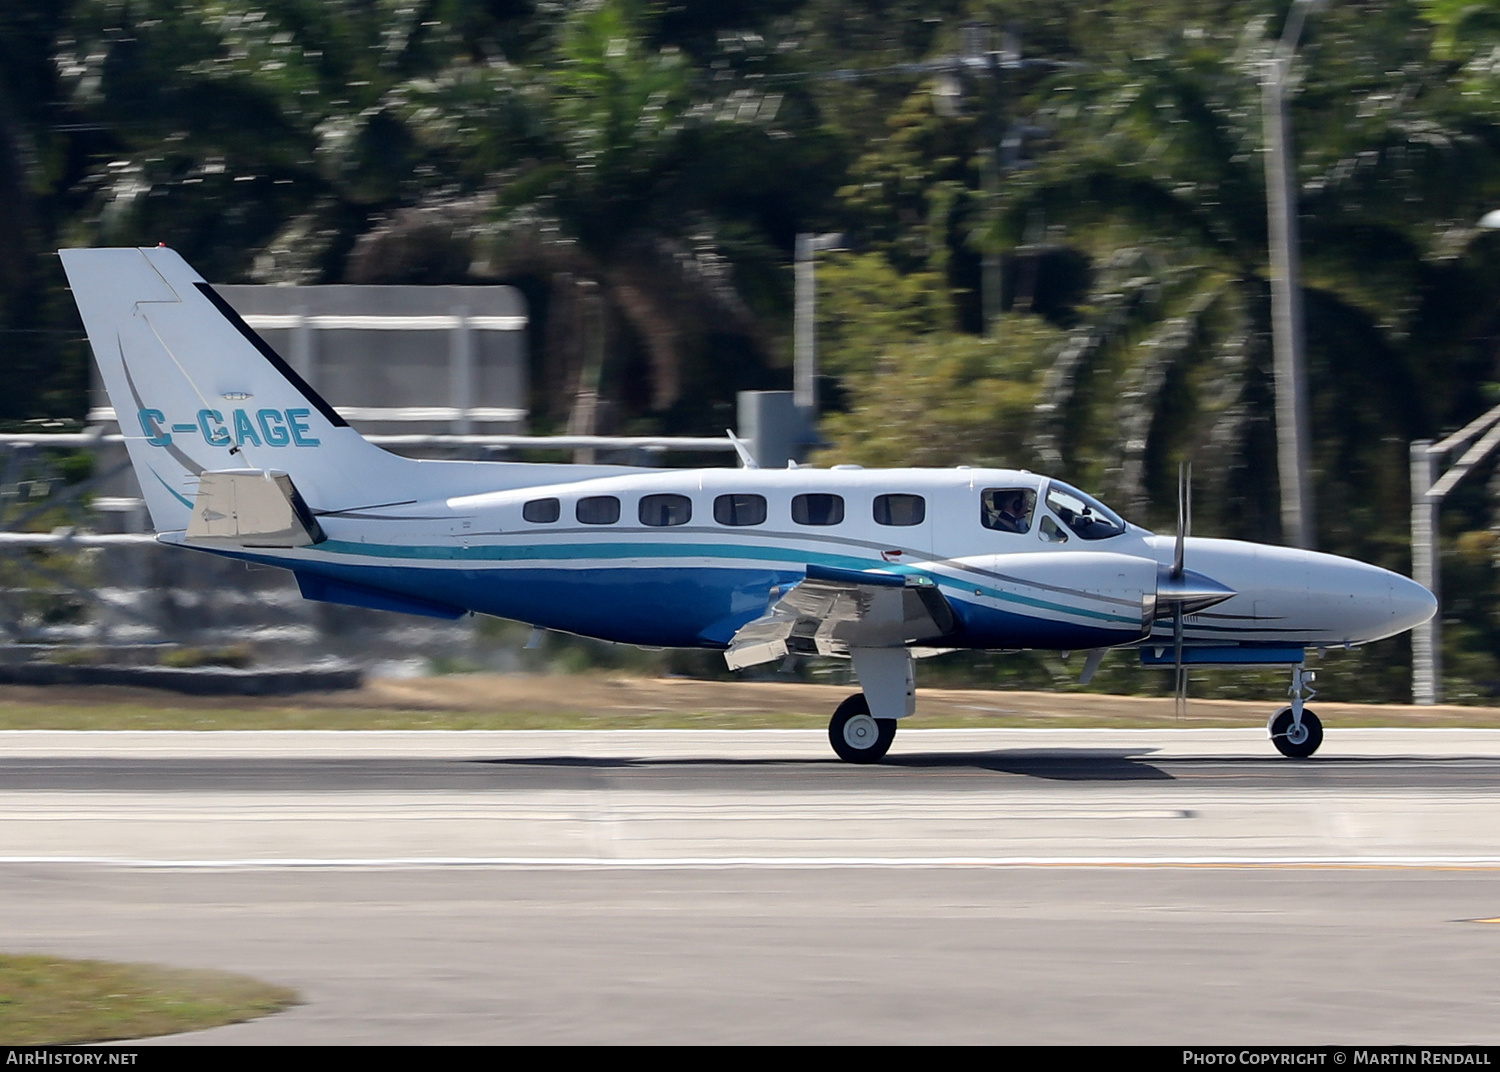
[833, 610]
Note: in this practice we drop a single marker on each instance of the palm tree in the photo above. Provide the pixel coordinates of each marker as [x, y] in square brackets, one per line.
[1156, 176]
[611, 168]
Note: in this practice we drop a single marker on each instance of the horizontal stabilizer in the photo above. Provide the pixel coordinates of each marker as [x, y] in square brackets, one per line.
[251, 508]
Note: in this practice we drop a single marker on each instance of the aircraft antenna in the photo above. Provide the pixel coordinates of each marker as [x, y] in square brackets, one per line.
[747, 459]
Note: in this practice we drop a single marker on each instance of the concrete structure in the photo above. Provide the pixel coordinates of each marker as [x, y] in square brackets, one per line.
[397, 359]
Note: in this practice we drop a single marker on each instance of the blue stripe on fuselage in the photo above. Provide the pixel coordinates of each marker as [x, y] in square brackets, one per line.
[788, 558]
[671, 606]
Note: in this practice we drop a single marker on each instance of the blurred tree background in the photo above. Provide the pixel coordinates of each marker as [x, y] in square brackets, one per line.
[662, 156]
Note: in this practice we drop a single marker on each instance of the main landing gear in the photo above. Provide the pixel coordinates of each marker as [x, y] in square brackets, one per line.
[887, 684]
[1296, 731]
[856, 735]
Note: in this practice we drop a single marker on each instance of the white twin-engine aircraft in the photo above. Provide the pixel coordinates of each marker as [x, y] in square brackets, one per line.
[238, 456]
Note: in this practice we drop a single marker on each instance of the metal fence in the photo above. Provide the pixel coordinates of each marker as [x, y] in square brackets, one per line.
[80, 575]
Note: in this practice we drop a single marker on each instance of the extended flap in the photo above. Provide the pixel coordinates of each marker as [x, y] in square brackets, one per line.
[833, 611]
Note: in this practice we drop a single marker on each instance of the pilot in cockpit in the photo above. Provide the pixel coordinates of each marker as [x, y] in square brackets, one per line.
[1008, 510]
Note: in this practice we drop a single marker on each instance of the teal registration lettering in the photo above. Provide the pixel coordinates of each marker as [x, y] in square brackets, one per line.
[244, 431]
[150, 427]
[300, 428]
[217, 435]
[273, 427]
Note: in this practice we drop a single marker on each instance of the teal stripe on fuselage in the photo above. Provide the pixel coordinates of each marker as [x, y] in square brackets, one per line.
[791, 558]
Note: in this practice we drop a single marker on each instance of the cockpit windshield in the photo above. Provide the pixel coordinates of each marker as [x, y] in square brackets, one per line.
[1089, 518]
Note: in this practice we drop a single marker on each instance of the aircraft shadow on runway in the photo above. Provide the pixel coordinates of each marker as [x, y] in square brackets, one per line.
[1058, 764]
[1080, 765]
[908, 770]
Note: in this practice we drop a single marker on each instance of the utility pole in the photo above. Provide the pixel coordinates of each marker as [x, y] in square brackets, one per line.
[1002, 139]
[1293, 439]
[977, 54]
[805, 324]
[1427, 638]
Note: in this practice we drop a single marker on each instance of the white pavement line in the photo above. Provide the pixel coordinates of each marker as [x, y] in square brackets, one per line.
[772, 863]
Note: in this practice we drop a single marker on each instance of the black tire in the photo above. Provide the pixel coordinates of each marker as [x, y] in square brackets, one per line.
[1281, 726]
[847, 739]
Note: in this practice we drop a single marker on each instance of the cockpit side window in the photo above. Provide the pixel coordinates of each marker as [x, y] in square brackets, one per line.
[1007, 509]
[1089, 518]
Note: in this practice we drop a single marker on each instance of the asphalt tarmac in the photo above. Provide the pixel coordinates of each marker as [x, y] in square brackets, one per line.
[1167, 887]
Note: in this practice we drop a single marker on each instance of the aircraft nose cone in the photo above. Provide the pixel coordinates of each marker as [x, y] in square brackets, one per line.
[1411, 604]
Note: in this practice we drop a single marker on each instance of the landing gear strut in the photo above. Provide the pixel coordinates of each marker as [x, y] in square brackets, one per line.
[1296, 731]
[856, 735]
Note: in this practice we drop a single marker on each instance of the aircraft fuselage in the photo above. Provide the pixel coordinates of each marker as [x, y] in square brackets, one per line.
[660, 558]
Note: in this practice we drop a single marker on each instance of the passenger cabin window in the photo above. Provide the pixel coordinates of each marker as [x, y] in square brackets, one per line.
[818, 509]
[542, 511]
[1007, 509]
[1089, 518]
[598, 510]
[740, 509]
[664, 511]
[900, 509]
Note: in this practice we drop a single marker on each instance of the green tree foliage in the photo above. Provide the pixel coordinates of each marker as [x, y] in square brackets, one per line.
[946, 399]
[664, 156]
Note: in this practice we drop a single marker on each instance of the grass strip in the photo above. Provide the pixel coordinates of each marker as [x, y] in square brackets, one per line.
[49, 1001]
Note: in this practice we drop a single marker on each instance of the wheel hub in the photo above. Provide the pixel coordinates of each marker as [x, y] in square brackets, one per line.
[861, 732]
[1296, 733]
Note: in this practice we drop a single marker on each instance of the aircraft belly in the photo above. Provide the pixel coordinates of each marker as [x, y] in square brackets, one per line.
[653, 606]
[990, 627]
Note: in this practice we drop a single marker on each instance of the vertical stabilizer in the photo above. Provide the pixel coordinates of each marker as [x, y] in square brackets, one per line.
[197, 390]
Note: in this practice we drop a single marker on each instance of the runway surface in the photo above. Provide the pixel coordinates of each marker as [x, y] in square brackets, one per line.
[1171, 887]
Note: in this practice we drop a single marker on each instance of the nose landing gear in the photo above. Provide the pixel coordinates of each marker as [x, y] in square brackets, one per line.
[1296, 731]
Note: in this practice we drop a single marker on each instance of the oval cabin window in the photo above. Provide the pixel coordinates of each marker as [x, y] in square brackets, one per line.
[818, 509]
[900, 509]
[598, 510]
[740, 509]
[663, 511]
[542, 511]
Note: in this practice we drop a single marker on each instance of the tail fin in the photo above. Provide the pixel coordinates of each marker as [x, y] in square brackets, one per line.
[196, 390]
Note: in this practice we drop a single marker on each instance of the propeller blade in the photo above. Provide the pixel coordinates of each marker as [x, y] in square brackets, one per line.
[1177, 555]
[1187, 530]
